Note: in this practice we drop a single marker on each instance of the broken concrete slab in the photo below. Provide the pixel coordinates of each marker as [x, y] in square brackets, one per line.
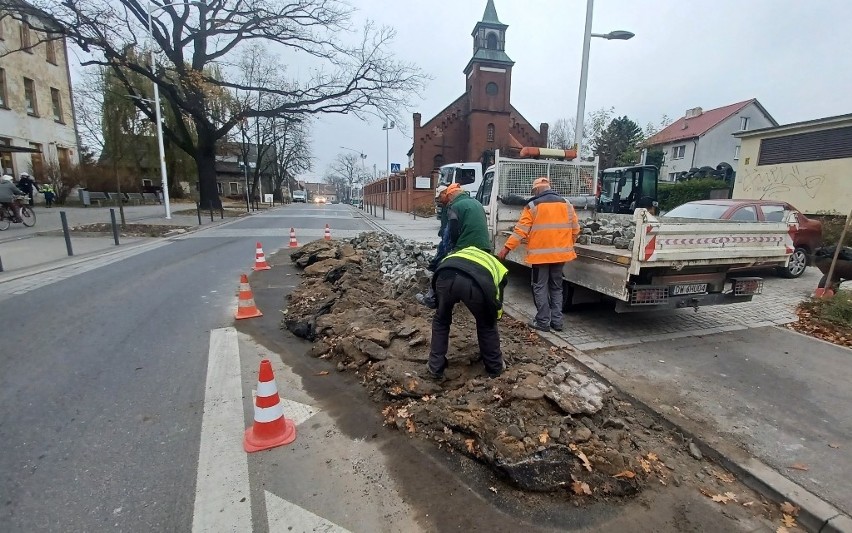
[574, 391]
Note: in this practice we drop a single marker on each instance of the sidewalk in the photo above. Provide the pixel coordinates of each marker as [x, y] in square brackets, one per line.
[404, 224]
[780, 396]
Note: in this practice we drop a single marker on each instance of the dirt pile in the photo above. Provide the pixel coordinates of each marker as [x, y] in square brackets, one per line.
[545, 423]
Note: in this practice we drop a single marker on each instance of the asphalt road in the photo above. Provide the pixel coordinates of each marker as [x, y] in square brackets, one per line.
[102, 383]
[106, 381]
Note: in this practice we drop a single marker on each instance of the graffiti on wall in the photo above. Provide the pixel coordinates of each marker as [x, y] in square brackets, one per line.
[768, 182]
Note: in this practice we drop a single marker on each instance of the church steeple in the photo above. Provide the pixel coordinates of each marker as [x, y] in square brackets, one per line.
[489, 39]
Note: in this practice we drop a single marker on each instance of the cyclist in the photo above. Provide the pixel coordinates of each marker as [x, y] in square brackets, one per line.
[8, 191]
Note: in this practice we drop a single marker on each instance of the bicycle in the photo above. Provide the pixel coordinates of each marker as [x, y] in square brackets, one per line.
[7, 215]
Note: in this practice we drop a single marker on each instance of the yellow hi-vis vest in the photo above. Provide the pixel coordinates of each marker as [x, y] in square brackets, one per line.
[491, 264]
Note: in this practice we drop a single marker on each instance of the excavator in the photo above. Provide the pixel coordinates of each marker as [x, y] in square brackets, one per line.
[624, 189]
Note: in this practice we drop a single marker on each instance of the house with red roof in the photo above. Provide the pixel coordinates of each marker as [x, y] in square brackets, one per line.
[706, 138]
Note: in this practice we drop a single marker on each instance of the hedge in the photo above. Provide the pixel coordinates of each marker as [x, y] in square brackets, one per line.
[671, 195]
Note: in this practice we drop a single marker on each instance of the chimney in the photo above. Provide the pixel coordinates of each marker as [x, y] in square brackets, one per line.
[417, 118]
[544, 129]
[694, 112]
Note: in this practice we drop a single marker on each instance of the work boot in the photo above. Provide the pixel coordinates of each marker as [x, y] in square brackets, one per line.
[497, 374]
[434, 376]
[429, 302]
[533, 325]
[556, 327]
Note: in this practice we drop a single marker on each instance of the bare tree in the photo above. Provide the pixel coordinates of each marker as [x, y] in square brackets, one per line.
[561, 134]
[292, 141]
[351, 70]
[344, 173]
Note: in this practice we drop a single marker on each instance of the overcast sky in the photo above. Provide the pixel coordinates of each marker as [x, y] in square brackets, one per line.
[792, 55]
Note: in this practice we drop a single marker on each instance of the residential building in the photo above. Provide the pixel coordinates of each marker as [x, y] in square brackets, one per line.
[705, 138]
[38, 129]
[319, 190]
[231, 172]
[482, 119]
[808, 164]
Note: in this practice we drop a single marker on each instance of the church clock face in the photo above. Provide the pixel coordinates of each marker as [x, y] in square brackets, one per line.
[491, 89]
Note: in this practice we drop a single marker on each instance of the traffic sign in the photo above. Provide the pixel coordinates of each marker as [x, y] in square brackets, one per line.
[395, 167]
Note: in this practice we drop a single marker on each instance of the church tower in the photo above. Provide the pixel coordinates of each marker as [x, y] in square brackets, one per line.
[488, 77]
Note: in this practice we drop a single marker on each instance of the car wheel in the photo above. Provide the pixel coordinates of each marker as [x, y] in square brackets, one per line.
[796, 264]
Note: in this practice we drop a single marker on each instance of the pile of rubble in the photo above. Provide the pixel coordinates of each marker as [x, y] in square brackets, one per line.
[608, 230]
[545, 423]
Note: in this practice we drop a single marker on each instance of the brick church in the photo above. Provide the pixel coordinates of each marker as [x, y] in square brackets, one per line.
[483, 119]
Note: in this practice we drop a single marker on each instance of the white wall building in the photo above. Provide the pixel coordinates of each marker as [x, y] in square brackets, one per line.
[37, 122]
[705, 138]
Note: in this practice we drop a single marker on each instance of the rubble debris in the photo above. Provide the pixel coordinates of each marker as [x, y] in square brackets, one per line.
[545, 424]
[695, 452]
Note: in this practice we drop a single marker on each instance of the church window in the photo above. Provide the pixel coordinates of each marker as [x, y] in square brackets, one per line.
[490, 135]
[491, 89]
[438, 161]
[491, 41]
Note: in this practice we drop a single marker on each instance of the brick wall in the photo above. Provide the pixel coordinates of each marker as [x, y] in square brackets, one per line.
[403, 196]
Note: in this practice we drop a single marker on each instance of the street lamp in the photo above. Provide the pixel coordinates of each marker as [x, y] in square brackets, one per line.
[618, 35]
[163, 177]
[389, 125]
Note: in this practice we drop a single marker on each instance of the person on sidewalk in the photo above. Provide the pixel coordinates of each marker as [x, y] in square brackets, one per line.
[26, 184]
[49, 195]
[476, 278]
[549, 225]
[8, 191]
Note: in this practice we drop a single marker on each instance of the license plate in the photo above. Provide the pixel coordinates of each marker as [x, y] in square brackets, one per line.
[694, 288]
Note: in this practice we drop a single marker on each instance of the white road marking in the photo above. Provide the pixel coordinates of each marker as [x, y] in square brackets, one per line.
[223, 477]
[301, 234]
[287, 517]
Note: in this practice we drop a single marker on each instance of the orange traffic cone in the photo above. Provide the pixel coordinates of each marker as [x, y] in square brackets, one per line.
[245, 305]
[270, 428]
[260, 259]
[293, 243]
[823, 293]
[327, 235]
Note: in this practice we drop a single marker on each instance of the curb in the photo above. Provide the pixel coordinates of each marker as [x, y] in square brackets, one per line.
[815, 514]
[76, 260]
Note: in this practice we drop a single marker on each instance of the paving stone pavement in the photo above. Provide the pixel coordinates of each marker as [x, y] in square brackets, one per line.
[601, 327]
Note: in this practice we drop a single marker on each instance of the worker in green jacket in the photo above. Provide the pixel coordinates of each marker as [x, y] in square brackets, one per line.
[466, 222]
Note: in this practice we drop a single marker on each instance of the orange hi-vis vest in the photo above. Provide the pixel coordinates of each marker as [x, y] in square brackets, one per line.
[549, 224]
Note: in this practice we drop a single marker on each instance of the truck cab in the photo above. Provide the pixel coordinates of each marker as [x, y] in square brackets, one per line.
[622, 190]
[468, 175]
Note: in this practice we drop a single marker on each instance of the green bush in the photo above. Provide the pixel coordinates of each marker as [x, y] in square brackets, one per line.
[836, 310]
[671, 195]
[832, 227]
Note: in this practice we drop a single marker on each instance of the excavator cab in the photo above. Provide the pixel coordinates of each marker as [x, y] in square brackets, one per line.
[624, 189]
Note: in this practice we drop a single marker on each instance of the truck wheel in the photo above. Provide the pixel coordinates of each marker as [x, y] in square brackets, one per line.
[796, 264]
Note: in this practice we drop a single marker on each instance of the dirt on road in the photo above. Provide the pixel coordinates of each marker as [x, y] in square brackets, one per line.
[545, 423]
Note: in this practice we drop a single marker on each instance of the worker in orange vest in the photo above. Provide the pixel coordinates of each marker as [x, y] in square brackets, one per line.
[549, 225]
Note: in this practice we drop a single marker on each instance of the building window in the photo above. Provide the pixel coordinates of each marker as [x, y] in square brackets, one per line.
[491, 41]
[835, 143]
[3, 101]
[147, 183]
[6, 157]
[25, 36]
[672, 176]
[438, 161]
[234, 187]
[490, 135]
[491, 89]
[736, 153]
[50, 49]
[30, 97]
[219, 188]
[743, 123]
[37, 162]
[678, 152]
[56, 100]
[64, 156]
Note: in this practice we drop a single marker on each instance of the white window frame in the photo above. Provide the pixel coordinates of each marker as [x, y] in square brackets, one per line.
[32, 110]
[744, 123]
[147, 183]
[681, 148]
[233, 187]
[56, 106]
[673, 176]
[737, 153]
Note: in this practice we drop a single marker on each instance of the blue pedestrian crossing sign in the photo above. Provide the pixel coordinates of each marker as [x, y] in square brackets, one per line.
[395, 167]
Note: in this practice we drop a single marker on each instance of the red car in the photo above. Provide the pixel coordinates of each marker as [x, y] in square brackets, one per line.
[806, 239]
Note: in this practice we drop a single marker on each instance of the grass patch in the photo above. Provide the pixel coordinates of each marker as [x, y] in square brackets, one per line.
[829, 319]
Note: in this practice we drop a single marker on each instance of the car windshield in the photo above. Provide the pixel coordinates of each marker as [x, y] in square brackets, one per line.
[446, 176]
[706, 211]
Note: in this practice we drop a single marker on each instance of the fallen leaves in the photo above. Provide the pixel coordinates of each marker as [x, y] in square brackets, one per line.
[582, 456]
[720, 498]
[833, 445]
[627, 474]
[580, 488]
[470, 444]
[409, 425]
[782, 529]
[646, 466]
[322, 373]
[652, 456]
[724, 477]
[788, 508]
[788, 520]
[543, 437]
[799, 466]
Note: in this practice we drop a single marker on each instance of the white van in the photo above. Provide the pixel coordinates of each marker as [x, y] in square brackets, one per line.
[468, 175]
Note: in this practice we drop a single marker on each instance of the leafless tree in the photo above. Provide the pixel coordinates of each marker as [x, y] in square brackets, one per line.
[349, 68]
[346, 171]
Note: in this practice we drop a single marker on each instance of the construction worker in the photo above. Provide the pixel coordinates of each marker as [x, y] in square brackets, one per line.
[549, 225]
[466, 222]
[476, 278]
[49, 195]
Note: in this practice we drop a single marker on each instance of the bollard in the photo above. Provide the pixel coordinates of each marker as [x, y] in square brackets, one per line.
[114, 226]
[210, 206]
[221, 213]
[198, 212]
[1, 264]
[66, 233]
[383, 211]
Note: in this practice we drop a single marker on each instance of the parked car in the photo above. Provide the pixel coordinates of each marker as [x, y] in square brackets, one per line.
[806, 239]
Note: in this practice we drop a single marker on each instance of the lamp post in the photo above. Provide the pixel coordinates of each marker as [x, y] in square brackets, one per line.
[163, 176]
[363, 157]
[619, 35]
[389, 125]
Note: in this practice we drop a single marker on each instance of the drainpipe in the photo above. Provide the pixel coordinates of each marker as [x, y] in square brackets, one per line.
[694, 149]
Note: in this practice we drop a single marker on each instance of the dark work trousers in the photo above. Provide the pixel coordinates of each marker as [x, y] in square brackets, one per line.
[547, 293]
[453, 287]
